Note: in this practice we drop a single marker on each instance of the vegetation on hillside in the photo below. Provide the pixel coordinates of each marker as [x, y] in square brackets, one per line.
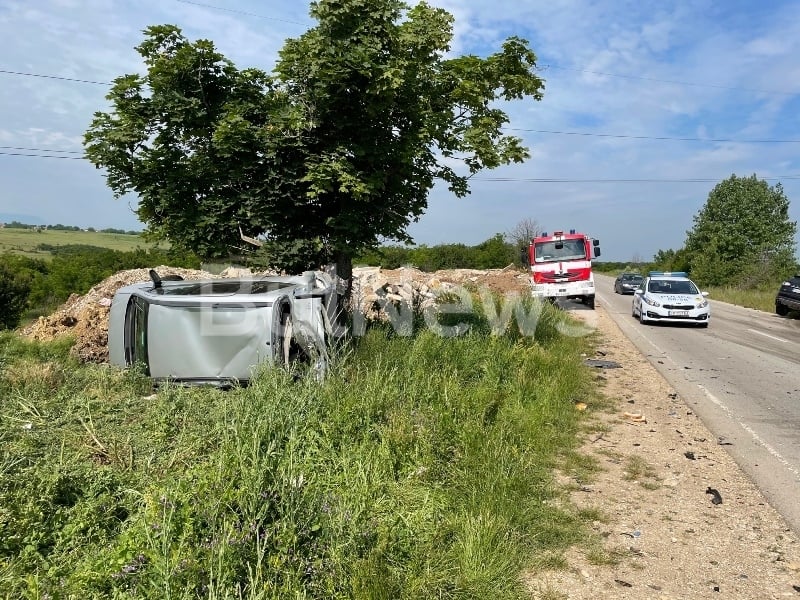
[31, 287]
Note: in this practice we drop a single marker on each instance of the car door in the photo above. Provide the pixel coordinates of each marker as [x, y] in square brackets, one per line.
[637, 298]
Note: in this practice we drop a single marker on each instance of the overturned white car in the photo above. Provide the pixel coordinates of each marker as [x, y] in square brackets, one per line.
[219, 331]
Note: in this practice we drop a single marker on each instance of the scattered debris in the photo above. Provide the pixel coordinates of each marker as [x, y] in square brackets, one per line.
[623, 583]
[724, 442]
[690, 455]
[632, 534]
[602, 364]
[716, 497]
[634, 417]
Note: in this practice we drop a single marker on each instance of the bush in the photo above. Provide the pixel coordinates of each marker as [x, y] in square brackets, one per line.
[14, 290]
[18, 274]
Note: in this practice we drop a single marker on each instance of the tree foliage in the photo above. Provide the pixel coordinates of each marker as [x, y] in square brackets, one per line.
[743, 235]
[332, 154]
[16, 277]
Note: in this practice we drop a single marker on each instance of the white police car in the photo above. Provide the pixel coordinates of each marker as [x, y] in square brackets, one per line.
[672, 298]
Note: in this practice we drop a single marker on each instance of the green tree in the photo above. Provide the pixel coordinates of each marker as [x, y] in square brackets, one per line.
[495, 253]
[17, 275]
[671, 260]
[743, 235]
[334, 154]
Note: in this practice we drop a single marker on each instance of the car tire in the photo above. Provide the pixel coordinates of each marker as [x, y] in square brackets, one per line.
[589, 301]
[642, 318]
[781, 309]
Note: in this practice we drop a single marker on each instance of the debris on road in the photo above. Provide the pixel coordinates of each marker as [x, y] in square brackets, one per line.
[716, 497]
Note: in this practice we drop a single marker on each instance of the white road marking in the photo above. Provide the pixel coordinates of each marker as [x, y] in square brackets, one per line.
[758, 439]
[772, 337]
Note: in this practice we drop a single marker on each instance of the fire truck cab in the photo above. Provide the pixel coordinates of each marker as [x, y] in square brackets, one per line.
[561, 266]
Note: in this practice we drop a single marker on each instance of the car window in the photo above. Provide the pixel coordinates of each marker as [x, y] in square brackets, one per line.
[672, 287]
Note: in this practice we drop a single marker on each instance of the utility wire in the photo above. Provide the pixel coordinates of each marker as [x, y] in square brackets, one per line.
[495, 179]
[53, 77]
[42, 155]
[41, 150]
[553, 180]
[674, 82]
[240, 12]
[651, 137]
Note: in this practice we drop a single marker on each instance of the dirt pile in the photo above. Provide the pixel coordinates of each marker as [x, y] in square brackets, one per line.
[86, 317]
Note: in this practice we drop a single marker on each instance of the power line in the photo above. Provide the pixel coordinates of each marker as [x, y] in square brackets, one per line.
[494, 179]
[554, 180]
[42, 155]
[674, 82]
[42, 150]
[53, 77]
[239, 12]
[651, 137]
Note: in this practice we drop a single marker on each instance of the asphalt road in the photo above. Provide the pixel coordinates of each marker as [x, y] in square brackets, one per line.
[741, 376]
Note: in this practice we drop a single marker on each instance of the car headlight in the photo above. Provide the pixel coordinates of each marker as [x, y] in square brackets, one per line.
[650, 301]
[702, 304]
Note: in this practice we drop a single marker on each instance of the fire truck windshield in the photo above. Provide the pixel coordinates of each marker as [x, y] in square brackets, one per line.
[569, 250]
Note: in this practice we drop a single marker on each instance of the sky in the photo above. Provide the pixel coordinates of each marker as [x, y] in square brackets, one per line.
[648, 104]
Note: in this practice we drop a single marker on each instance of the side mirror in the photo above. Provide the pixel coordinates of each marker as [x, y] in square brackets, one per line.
[523, 256]
[595, 243]
[596, 250]
[637, 291]
[704, 294]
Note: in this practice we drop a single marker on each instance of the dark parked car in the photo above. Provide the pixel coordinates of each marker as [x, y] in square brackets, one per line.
[627, 283]
[788, 297]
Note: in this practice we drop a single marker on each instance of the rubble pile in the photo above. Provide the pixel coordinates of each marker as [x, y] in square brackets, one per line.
[86, 317]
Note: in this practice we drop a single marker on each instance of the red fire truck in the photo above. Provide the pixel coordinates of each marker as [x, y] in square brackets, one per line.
[561, 266]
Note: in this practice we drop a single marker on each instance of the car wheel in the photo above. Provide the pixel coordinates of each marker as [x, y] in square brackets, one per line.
[633, 309]
[589, 301]
[781, 309]
[642, 318]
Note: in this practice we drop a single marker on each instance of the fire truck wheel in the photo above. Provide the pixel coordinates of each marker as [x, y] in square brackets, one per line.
[589, 301]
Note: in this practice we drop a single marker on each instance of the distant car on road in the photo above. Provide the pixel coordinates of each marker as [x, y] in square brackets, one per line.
[788, 297]
[672, 298]
[626, 283]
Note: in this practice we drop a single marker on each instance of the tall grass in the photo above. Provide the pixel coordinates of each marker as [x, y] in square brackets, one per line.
[421, 468]
[761, 298]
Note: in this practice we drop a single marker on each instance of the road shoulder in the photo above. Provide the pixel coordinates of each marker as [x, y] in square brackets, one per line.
[663, 535]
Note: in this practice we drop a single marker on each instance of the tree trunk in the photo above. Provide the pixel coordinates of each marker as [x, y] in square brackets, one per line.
[344, 283]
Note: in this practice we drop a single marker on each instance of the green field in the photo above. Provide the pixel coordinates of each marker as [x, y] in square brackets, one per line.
[26, 241]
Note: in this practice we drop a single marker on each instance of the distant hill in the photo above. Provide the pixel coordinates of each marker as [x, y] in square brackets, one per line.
[28, 219]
